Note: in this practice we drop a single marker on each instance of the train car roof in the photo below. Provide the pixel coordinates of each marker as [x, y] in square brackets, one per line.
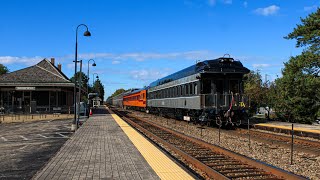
[133, 91]
[220, 65]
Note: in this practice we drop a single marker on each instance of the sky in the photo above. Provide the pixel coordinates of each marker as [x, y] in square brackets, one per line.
[135, 42]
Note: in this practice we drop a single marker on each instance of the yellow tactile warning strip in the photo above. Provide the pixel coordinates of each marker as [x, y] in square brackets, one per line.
[289, 128]
[160, 163]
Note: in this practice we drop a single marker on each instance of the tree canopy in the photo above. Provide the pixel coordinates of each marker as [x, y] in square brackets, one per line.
[3, 69]
[299, 87]
[99, 88]
[84, 81]
[118, 91]
[308, 33]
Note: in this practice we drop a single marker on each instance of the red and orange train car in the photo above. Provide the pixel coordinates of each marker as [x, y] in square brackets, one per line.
[135, 100]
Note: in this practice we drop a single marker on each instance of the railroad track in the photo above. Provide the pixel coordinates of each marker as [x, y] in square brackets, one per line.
[301, 144]
[212, 161]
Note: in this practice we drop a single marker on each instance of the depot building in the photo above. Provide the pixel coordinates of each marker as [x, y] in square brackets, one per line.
[42, 88]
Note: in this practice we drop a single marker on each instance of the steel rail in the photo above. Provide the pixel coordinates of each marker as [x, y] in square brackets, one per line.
[286, 139]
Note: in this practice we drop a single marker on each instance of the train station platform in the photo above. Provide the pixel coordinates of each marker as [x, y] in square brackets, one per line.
[305, 130]
[106, 147]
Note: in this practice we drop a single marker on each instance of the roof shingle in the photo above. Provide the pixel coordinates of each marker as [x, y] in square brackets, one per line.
[43, 72]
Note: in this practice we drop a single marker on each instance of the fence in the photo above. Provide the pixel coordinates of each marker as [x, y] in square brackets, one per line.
[11, 118]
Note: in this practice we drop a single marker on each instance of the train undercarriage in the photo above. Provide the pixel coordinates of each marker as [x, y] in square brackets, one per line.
[205, 117]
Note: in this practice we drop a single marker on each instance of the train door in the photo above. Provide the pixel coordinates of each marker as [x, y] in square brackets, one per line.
[218, 91]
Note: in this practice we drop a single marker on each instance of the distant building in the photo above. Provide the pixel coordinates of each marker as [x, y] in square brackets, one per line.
[96, 101]
[35, 89]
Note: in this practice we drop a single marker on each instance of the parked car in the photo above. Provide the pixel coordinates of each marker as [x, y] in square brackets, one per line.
[84, 109]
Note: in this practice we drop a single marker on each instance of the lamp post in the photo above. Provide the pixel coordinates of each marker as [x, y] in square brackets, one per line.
[94, 64]
[86, 33]
[93, 77]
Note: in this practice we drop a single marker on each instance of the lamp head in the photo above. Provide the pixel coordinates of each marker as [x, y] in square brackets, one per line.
[97, 77]
[94, 64]
[87, 33]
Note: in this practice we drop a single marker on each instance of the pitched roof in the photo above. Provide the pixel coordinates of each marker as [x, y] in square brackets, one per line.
[44, 72]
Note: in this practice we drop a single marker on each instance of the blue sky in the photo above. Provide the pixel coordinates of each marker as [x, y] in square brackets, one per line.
[136, 42]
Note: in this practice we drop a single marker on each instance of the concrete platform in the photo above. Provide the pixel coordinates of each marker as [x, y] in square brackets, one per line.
[100, 149]
[284, 127]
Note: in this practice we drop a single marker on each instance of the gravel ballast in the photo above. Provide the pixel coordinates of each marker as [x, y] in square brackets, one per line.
[304, 164]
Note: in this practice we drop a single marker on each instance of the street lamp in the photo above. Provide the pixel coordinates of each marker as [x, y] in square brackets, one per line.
[86, 33]
[93, 77]
[94, 64]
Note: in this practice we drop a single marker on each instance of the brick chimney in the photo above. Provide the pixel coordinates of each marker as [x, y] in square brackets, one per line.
[52, 61]
[59, 67]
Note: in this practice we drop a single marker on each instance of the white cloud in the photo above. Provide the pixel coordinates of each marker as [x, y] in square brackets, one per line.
[214, 2]
[245, 4]
[142, 56]
[227, 1]
[149, 74]
[261, 65]
[115, 62]
[267, 11]
[21, 60]
[310, 8]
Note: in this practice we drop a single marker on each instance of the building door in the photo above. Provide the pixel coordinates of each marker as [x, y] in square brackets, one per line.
[26, 101]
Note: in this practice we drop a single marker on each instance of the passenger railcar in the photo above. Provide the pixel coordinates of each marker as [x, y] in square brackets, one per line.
[136, 99]
[211, 90]
[118, 100]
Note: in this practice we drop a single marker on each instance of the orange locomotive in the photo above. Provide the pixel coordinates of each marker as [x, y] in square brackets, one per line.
[135, 100]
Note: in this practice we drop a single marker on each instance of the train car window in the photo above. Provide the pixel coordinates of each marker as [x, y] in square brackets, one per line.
[172, 92]
[219, 86]
[234, 86]
[191, 88]
[226, 86]
[206, 85]
[179, 90]
[195, 88]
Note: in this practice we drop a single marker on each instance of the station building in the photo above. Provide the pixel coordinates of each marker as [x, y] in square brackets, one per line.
[42, 88]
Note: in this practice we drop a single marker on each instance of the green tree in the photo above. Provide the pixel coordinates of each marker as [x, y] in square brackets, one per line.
[308, 33]
[253, 88]
[99, 88]
[3, 69]
[299, 88]
[260, 94]
[118, 91]
[84, 81]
